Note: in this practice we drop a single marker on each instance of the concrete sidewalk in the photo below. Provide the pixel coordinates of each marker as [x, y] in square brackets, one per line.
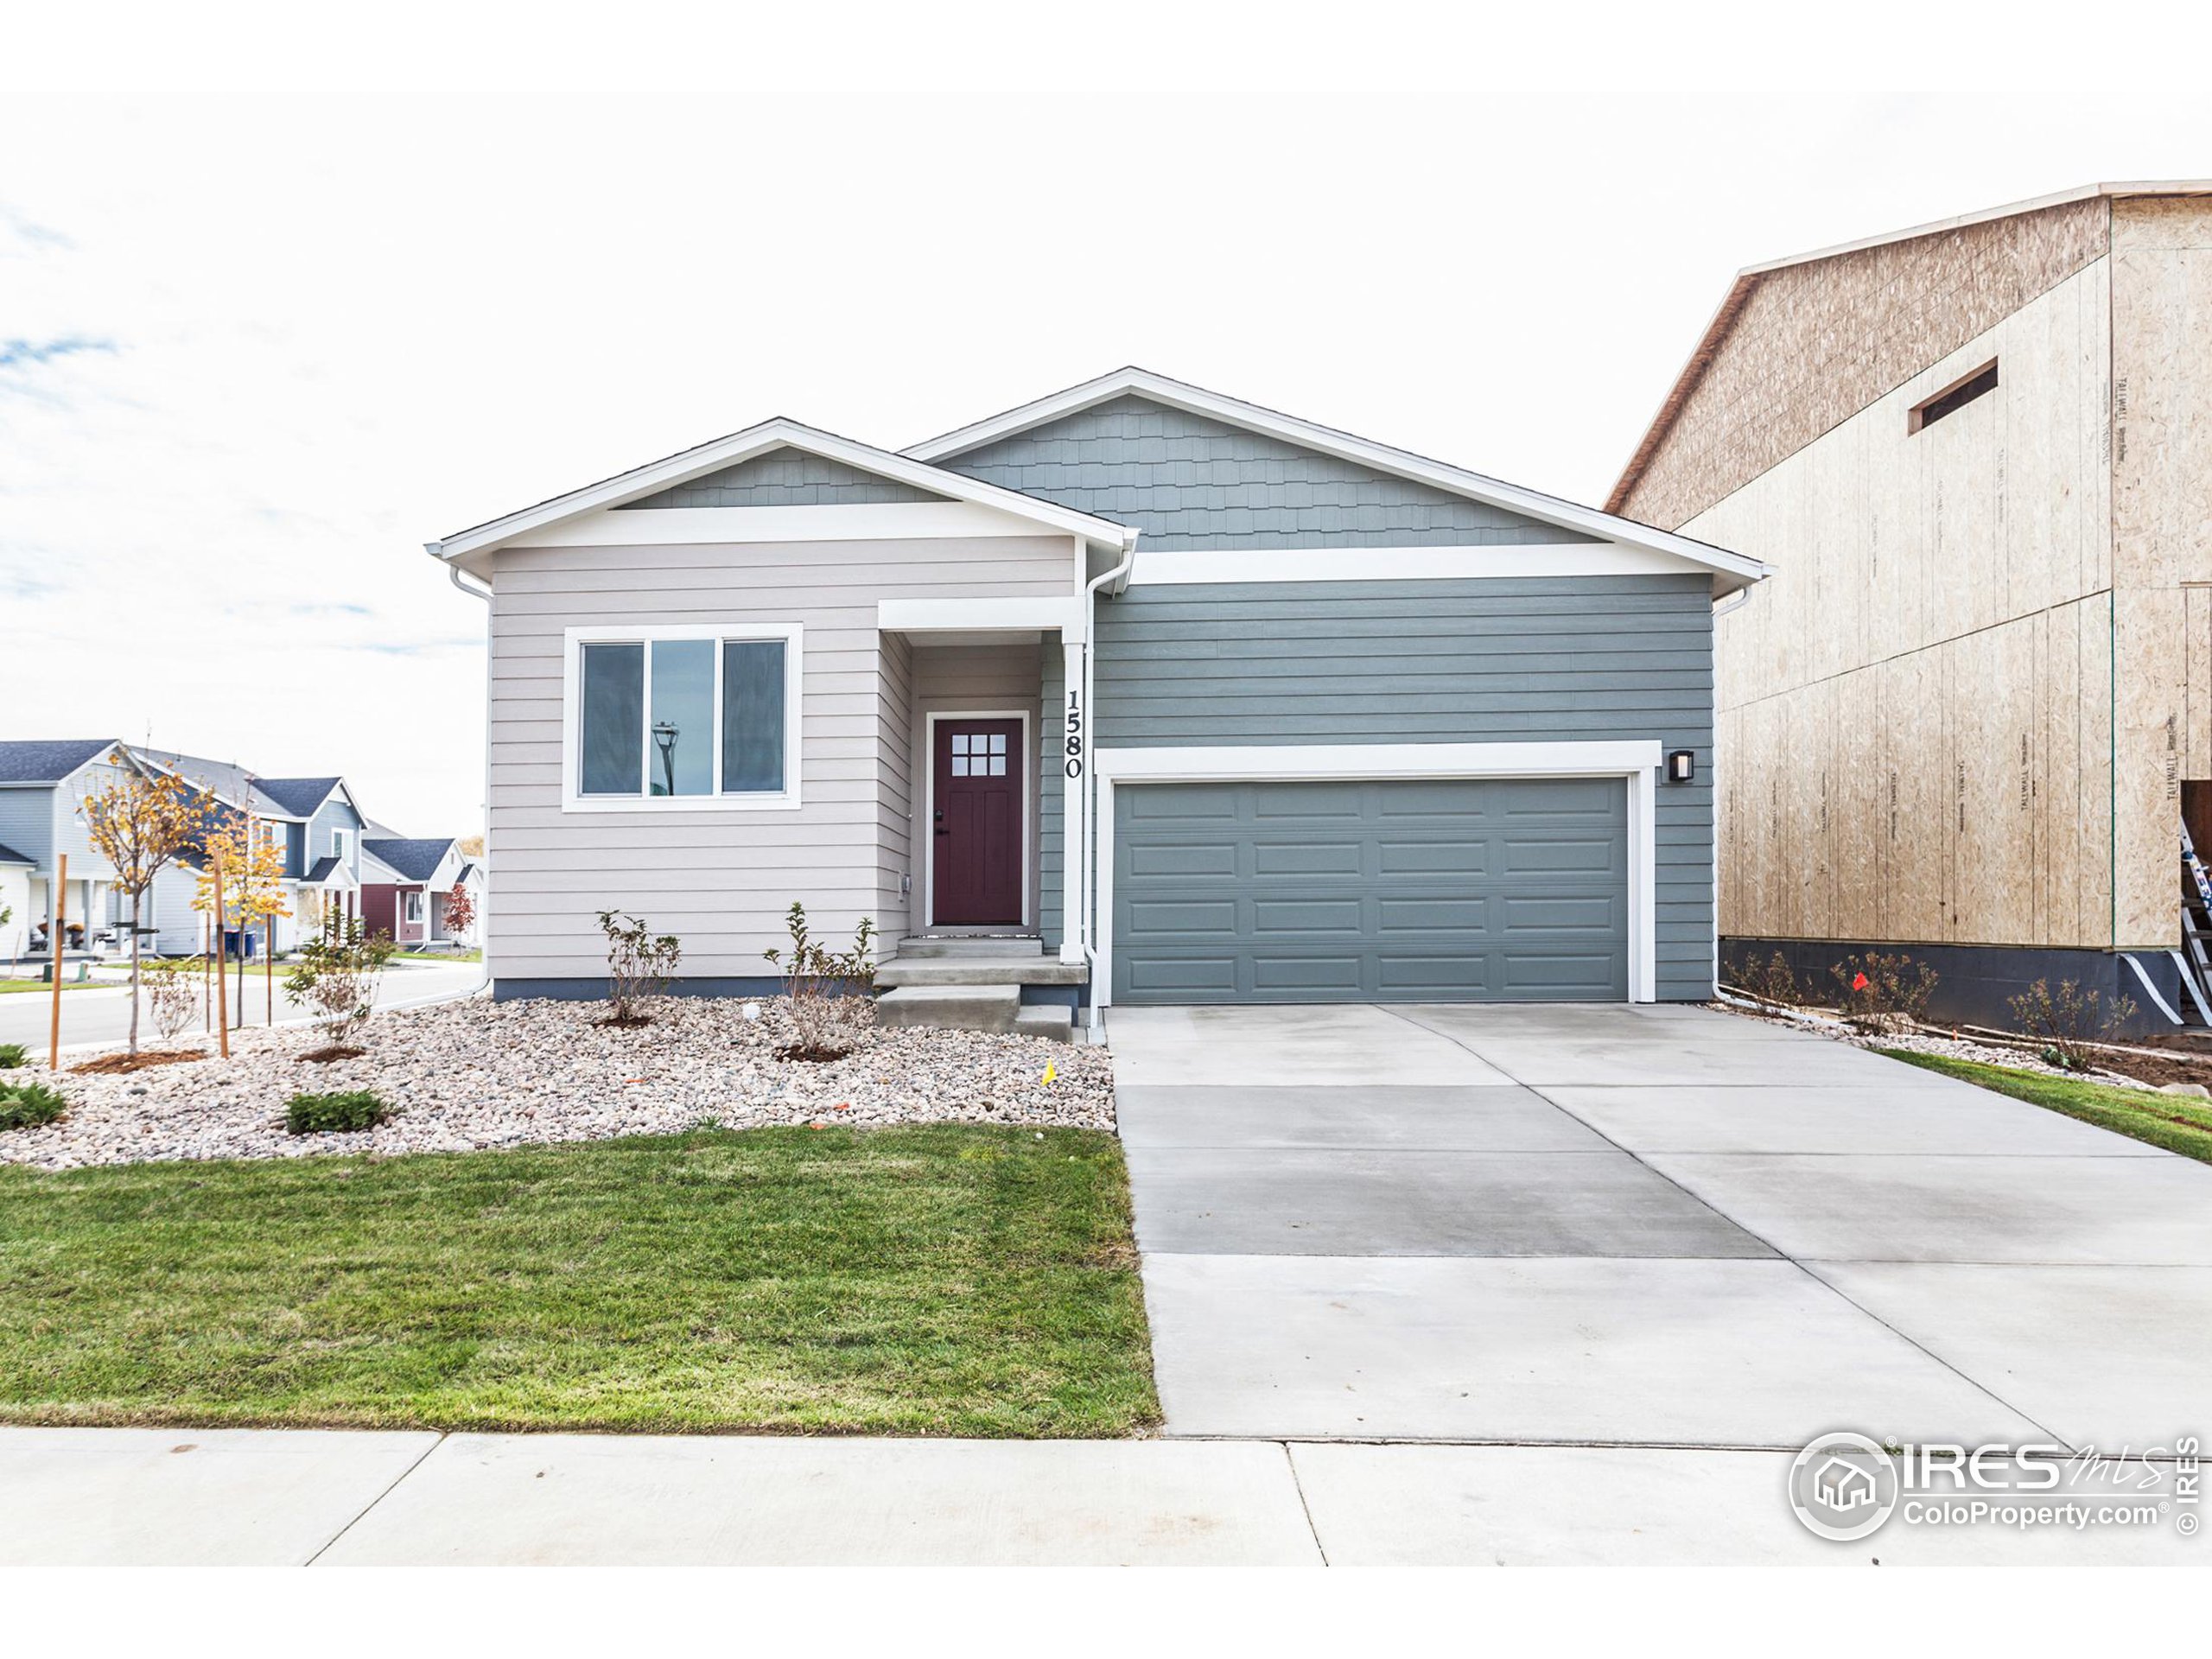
[274, 1498]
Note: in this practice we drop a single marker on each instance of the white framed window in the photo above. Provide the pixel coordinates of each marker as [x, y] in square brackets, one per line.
[340, 844]
[669, 718]
[412, 899]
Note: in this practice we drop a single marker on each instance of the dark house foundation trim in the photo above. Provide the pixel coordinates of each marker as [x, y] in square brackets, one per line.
[1974, 983]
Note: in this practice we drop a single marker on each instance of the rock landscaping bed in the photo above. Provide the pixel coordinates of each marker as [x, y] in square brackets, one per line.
[2123, 1068]
[475, 1073]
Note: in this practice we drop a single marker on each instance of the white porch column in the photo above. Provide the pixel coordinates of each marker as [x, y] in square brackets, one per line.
[1073, 751]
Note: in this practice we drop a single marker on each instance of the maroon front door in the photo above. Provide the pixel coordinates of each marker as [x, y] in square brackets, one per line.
[976, 835]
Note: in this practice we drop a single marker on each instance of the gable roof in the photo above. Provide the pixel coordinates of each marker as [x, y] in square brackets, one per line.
[227, 781]
[298, 795]
[1748, 279]
[639, 482]
[10, 855]
[410, 858]
[49, 760]
[1731, 570]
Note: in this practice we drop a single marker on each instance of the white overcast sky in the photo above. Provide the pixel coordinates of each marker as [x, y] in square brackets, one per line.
[255, 349]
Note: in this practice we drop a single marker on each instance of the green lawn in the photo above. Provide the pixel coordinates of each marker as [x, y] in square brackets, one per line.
[438, 956]
[937, 1280]
[45, 987]
[2178, 1123]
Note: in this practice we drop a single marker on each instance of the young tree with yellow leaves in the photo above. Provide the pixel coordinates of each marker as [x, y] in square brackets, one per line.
[141, 823]
[242, 881]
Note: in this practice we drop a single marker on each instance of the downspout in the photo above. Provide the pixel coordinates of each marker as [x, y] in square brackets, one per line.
[484, 910]
[1119, 573]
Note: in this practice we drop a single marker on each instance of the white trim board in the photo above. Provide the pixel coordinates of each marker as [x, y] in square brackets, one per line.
[925, 617]
[1029, 810]
[1636, 759]
[739, 447]
[1402, 564]
[1731, 570]
[573, 640]
[889, 521]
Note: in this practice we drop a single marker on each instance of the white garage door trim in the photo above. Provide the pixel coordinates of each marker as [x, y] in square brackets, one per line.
[1636, 759]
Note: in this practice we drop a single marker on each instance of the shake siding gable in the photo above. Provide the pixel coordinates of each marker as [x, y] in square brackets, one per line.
[1189, 482]
[720, 881]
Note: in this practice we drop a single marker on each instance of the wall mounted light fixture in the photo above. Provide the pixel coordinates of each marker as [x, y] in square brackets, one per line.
[1682, 765]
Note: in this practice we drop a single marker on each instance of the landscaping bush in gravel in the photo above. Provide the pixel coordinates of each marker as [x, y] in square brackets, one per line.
[476, 1073]
[347, 1112]
[26, 1105]
[12, 1055]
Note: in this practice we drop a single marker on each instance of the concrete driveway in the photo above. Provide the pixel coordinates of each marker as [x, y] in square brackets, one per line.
[1649, 1226]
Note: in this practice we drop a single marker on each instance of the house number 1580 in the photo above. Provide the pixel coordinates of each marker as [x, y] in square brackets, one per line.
[1075, 735]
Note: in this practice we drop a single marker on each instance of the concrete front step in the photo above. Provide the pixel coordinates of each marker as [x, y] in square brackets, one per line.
[970, 945]
[966, 1008]
[999, 969]
[1048, 1019]
[974, 1007]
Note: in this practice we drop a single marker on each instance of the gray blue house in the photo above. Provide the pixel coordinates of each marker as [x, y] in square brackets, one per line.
[41, 782]
[1134, 694]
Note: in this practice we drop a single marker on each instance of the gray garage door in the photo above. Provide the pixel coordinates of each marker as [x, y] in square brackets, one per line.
[1496, 889]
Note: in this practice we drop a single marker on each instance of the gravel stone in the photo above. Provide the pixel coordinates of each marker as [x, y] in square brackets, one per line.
[475, 1073]
[1925, 1042]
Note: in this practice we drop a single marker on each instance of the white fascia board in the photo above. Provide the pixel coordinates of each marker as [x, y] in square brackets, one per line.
[1259, 564]
[875, 522]
[1267, 762]
[739, 447]
[970, 616]
[1738, 568]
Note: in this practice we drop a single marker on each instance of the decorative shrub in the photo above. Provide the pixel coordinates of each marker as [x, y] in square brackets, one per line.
[173, 995]
[640, 964]
[13, 1055]
[1771, 980]
[337, 977]
[1884, 993]
[347, 1113]
[24, 1104]
[2069, 1020]
[832, 993]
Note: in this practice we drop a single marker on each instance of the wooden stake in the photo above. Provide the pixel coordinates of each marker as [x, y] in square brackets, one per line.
[222, 985]
[61, 919]
[269, 967]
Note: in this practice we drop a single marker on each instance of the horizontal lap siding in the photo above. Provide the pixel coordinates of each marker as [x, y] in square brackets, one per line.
[720, 881]
[1585, 660]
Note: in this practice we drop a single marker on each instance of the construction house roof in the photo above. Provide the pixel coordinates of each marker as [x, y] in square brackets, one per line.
[1748, 279]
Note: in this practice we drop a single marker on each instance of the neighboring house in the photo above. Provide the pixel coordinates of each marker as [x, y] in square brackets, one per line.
[1970, 717]
[15, 918]
[315, 818]
[407, 888]
[42, 781]
[1342, 722]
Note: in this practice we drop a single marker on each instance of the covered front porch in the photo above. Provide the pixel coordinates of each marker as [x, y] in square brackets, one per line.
[984, 776]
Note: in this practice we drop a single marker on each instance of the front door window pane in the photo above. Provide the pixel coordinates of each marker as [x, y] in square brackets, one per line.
[612, 720]
[681, 759]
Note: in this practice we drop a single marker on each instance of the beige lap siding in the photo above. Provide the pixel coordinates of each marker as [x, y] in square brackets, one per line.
[719, 881]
